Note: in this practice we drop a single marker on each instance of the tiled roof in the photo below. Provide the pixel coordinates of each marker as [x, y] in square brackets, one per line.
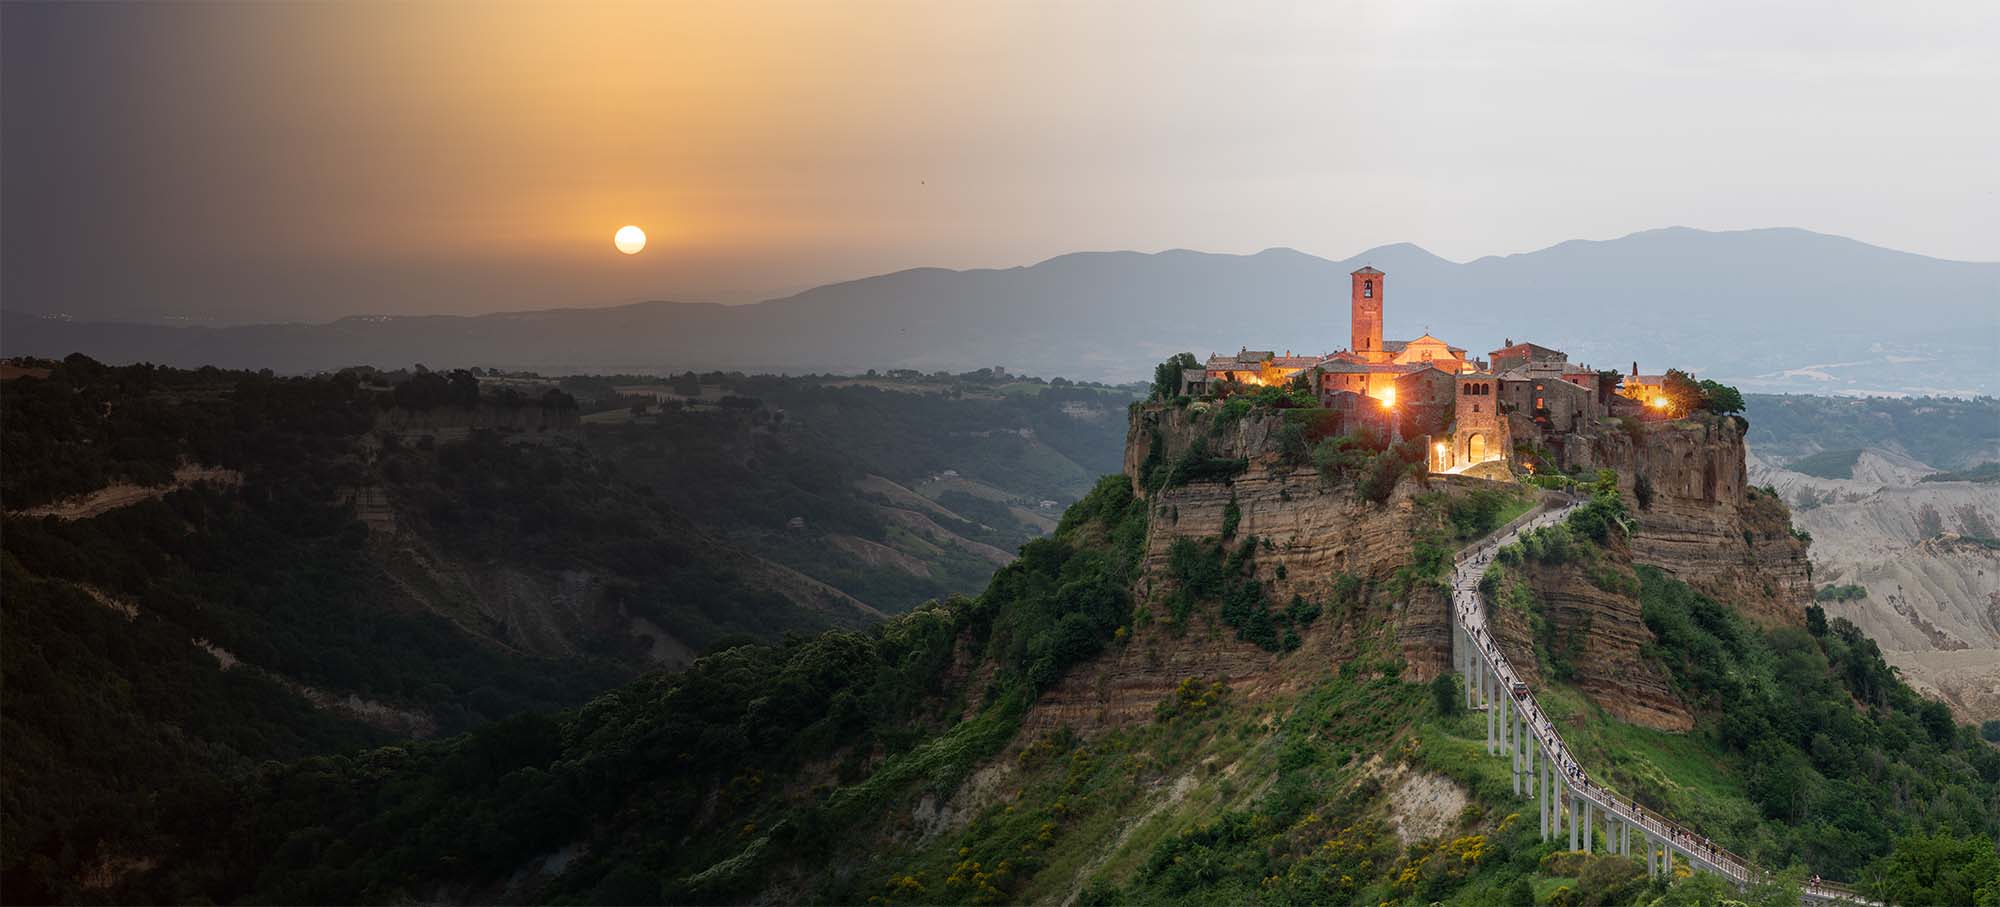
[1365, 269]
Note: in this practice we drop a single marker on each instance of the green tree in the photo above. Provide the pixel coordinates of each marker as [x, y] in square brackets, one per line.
[1167, 375]
[1720, 398]
[1444, 693]
[1937, 869]
[1683, 393]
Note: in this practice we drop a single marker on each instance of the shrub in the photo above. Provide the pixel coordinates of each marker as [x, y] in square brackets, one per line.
[1847, 593]
[1444, 695]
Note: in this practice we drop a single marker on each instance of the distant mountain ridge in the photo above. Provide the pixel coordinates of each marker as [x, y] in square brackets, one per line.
[1773, 309]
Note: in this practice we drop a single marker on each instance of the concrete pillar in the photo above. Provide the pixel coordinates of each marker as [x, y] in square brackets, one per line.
[1574, 802]
[1465, 664]
[1624, 839]
[1588, 810]
[1652, 864]
[1542, 804]
[1535, 762]
[1489, 712]
[1514, 747]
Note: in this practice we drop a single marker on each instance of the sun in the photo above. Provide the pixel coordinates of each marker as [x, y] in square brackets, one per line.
[630, 239]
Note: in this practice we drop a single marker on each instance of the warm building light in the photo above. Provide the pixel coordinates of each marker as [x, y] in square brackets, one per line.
[1440, 448]
[1388, 398]
[1659, 403]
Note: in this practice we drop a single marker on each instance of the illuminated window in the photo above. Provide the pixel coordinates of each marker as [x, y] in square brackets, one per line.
[1368, 289]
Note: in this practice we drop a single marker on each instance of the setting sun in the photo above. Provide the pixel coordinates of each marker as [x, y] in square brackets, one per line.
[630, 239]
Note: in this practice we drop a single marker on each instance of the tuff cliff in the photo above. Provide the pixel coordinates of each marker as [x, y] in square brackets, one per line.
[1699, 519]
[1315, 541]
[1364, 563]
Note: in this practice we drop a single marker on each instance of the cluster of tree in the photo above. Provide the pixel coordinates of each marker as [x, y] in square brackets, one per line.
[1834, 783]
[1685, 395]
[1366, 458]
[1828, 464]
[1167, 375]
[1946, 432]
[1840, 593]
[87, 425]
[1987, 473]
[806, 448]
[696, 757]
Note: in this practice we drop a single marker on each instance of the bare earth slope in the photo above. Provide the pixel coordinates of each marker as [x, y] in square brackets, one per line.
[1933, 601]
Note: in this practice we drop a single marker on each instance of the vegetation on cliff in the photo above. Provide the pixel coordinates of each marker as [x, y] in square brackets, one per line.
[1807, 749]
[889, 764]
[179, 642]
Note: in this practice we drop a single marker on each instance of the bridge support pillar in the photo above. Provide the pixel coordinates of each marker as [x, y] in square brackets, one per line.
[1485, 695]
[1589, 845]
[1652, 858]
[1574, 802]
[1514, 746]
[1465, 664]
[1542, 806]
[1534, 766]
[1624, 839]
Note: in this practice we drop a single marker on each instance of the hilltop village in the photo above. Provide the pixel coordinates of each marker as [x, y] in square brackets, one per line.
[1471, 411]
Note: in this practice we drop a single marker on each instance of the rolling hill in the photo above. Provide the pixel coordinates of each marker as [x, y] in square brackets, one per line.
[1769, 310]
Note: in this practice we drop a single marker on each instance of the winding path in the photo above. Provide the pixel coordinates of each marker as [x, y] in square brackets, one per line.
[1543, 768]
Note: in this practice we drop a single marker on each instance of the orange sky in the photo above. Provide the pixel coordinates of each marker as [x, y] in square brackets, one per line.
[273, 161]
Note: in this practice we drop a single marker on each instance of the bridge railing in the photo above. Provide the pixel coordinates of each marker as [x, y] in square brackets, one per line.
[1678, 837]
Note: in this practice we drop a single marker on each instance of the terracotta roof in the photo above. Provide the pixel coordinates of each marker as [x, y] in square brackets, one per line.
[1365, 269]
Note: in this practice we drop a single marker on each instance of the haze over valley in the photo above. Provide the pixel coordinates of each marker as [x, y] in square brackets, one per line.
[1385, 454]
[1780, 311]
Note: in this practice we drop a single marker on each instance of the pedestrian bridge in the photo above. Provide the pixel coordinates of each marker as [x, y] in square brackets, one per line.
[1569, 801]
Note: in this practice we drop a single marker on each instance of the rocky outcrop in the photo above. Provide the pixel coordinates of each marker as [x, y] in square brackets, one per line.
[1696, 518]
[1700, 521]
[1312, 541]
[1600, 632]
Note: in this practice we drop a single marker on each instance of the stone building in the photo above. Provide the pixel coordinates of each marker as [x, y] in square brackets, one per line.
[1479, 433]
[1468, 411]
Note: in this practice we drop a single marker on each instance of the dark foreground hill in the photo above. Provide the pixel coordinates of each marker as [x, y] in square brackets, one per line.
[207, 569]
[1778, 309]
[1218, 681]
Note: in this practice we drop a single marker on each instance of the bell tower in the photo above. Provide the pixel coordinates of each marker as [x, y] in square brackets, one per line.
[1365, 315]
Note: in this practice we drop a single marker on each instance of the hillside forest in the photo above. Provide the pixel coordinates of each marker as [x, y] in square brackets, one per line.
[490, 637]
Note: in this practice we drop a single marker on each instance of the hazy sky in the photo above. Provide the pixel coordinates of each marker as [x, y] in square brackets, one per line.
[285, 161]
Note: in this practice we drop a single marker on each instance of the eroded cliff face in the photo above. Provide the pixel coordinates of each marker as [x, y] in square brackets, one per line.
[1700, 521]
[1696, 517]
[1318, 542]
[1594, 622]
